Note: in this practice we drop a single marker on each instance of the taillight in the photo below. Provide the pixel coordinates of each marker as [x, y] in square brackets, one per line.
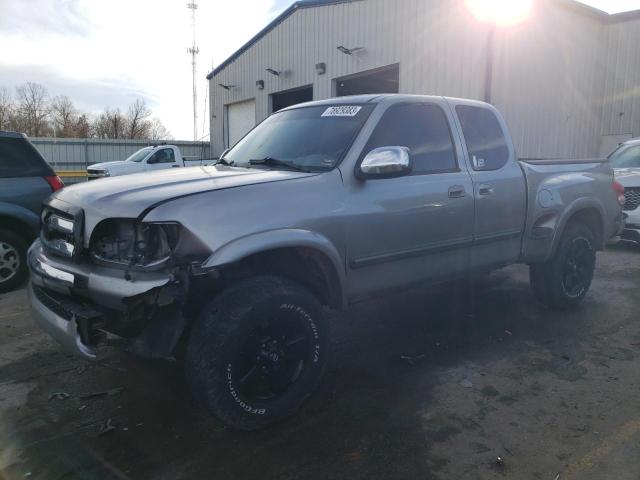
[619, 189]
[54, 182]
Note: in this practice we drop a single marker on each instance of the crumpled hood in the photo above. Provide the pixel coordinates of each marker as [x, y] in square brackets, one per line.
[129, 196]
[627, 177]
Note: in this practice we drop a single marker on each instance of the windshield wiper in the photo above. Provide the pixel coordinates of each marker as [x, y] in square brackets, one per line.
[274, 162]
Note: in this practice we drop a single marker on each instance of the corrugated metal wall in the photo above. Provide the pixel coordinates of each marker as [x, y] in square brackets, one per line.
[621, 104]
[72, 154]
[392, 31]
[548, 83]
[549, 73]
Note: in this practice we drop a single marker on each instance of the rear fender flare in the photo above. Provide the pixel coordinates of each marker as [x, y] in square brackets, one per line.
[573, 208]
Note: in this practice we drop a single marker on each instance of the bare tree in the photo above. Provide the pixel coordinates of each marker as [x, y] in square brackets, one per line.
[83, 127]
[32, 112]
[64, 117]
[157, 131]
[137, 120]
[110, 124]
[32, 109]
[6, 109]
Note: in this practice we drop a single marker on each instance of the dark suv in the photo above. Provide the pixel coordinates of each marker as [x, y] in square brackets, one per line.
[26, 180]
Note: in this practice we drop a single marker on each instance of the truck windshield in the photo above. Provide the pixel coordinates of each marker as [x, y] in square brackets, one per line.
[307, 138]
[626, 157]
[139, 155]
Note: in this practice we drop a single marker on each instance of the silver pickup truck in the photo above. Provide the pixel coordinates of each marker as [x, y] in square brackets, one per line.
[230, 268]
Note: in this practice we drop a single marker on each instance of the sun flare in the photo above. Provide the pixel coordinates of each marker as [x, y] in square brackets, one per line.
[500, 12]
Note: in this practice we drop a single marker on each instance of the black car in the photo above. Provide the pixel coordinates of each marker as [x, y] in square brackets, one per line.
[26, 180]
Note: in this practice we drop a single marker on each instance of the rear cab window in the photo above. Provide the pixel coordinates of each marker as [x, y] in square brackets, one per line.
[483, 135]
[18, 158]
[424, 130]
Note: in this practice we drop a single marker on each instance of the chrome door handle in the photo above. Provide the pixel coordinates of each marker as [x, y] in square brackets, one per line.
[485, 190]
[456, 191]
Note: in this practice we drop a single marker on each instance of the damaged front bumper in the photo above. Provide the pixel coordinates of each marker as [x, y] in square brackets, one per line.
[73, 302]
[59, 321]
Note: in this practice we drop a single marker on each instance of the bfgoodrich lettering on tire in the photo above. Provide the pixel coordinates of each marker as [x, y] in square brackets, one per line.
[563, 281]
[257, 351]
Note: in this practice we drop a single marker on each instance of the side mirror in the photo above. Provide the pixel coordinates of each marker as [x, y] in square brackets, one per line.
[385, 162]
[152, 159]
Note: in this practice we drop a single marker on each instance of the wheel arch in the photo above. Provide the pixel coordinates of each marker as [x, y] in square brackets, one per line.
[586, 211]
[301, 255]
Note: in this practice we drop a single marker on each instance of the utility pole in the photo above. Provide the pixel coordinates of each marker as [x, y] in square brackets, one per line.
[488, 72]
[193, 51]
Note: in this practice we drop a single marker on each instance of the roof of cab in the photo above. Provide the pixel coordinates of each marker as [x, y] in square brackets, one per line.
[349, 99]
[378, 98]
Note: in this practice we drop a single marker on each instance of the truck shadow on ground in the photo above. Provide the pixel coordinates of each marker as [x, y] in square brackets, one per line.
[362, 422]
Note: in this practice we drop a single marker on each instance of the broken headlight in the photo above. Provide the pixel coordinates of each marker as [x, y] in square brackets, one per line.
[130, 243]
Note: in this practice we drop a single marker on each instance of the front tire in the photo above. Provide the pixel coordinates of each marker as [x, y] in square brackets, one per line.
[257, 352]
[563, 281]
[13, 260]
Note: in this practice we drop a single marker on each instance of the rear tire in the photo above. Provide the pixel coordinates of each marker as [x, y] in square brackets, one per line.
[563, 281]
[13, 260]
[257, 352]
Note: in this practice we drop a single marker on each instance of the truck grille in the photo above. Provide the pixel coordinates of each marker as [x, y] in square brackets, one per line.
[632, 196]
[93, 174]
[61, 232]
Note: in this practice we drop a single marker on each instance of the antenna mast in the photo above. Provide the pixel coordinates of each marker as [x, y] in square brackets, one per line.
[193, 51]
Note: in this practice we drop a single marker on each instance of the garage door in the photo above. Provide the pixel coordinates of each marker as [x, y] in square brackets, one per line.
[241, 118]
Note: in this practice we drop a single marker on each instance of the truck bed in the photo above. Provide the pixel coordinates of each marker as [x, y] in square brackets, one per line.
[555, 189]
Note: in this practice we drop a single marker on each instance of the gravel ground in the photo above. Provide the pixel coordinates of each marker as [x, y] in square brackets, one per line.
[466, 382]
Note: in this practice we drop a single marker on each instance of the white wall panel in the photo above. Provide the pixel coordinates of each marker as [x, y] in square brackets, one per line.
[550, 74]
[621, 103]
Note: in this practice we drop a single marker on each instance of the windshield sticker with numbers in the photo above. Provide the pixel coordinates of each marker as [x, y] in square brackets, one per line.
[342, 111]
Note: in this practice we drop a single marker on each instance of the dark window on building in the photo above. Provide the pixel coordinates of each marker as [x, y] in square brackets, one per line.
[19, 159]
[385, 80]
[421, 128]
[484, 137]
[291, 97]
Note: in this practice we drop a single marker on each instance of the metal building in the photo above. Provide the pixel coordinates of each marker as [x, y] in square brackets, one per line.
[567, 77]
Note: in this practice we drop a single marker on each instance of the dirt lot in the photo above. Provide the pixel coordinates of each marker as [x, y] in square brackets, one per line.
[491, 374]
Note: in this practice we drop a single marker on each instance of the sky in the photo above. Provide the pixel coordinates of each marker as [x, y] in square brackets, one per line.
[109, 52]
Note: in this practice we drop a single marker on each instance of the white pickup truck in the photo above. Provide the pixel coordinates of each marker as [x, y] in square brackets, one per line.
[157, 157]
